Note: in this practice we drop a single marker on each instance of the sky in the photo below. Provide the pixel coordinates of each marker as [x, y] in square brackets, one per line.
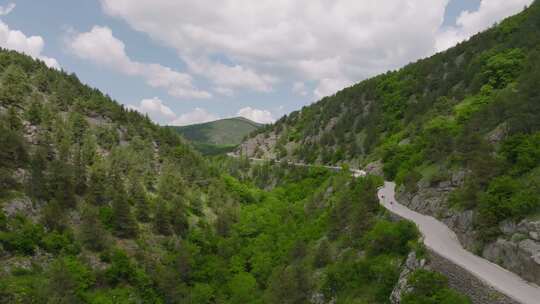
[184, 62]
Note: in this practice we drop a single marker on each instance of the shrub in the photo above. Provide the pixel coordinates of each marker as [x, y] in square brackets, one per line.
[390, 238]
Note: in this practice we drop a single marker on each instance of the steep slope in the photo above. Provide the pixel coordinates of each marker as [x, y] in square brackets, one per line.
[215, 136]
[95, 200]
[458, 132]
[100, 205]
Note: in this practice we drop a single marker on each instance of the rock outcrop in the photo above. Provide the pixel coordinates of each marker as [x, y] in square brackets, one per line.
[518, 247]
[411, 264]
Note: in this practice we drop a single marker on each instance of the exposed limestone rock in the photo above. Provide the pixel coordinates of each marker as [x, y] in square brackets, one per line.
[498, 134]
[260, 146]
[518, 250]
[402, 287]
[21, 205]
[375, 168]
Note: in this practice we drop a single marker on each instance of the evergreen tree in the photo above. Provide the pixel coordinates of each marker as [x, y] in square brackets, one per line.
[323, 254]
[93, 234]
[124, 223]
[34, 112]
[139, 200]
[162, 222]
[178, 216]
[37, 185]
[14, 85]
[97, 185]
[61, 183]
[54, 216]
[13, 120]
[80, 171]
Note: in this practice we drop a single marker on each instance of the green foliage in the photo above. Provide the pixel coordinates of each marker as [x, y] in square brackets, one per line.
[14, 84]
[68, 281]
[243, 289]
[92, 232]
[219, 134]
[387, 237]
[22, 237]
[504, 67]
[431, 287]
[57, 243]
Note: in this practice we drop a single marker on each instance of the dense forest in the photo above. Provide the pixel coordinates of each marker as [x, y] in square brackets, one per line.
[100, 205]
[474, 109]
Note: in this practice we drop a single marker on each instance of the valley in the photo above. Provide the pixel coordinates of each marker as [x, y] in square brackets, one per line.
[420, 185]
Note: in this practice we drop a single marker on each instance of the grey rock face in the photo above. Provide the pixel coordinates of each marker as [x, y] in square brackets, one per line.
[21, 205]
[402, 287]
[260, 146]
[374, 168]
[518, 250]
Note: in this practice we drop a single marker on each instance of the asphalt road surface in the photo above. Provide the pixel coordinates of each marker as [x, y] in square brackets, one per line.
[439, 238]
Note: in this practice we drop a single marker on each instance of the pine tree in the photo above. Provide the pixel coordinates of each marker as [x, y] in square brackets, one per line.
[37, 185]
[322, 255]
[35, 109]
[178, 216]
[61, 183]
[14, 85]
[97, 185]
[162, 222]
[139, 200]
[80, 171]
[54, 216]
[124, 223]
[93, 234]
[13, 120]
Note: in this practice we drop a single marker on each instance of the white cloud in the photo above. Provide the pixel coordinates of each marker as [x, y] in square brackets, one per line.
[246, 44]
[101, 47]
[299, 88]
[240, 41]
[20, 42]
[470, 23]
[260, 116]
[155, 108]
[229, 77]
[329, 86]
[5, 10]
[198, 115]
[224, 91]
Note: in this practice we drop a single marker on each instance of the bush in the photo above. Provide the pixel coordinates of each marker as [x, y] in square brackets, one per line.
[390, 238]
[23, 236]
[56, 242]
[429, 287]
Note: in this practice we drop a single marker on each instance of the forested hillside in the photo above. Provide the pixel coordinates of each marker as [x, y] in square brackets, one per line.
[217, 137]
[100, 205]
[459, 131]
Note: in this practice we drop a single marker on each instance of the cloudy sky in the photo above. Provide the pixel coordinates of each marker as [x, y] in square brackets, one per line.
[187, 61]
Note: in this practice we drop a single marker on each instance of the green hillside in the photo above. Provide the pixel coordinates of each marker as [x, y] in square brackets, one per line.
[460, 129]
[100, 205]
[229, 131]
[218, 137]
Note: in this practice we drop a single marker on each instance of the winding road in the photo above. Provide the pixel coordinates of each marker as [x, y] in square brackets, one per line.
[443, 241]
[439, 238]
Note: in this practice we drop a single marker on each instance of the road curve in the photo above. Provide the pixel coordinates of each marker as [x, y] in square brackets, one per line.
[443, 241]
[439, 238]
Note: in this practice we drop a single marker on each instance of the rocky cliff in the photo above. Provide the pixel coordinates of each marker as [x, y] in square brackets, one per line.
[516, 249]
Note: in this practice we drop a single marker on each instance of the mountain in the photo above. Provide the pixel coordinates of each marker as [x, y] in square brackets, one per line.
[100, 205]
[459, 132]
[218, 136]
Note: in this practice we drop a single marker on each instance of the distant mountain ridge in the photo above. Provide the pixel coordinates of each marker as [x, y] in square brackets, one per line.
[218, 136]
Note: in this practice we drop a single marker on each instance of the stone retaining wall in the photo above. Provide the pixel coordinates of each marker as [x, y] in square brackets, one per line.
[466, 283]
